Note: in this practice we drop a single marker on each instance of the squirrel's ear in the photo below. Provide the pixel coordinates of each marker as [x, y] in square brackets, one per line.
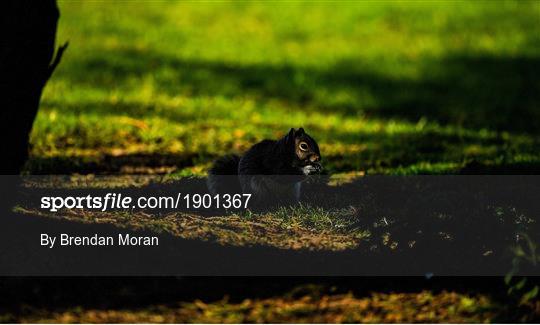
[300, 131]
[292, 131]
[290, 136]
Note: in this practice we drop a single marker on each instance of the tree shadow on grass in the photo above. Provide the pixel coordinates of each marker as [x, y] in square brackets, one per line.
[110, 164]
[498, 93]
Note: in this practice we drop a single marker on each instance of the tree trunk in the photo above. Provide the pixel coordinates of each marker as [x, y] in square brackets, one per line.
[26, 63]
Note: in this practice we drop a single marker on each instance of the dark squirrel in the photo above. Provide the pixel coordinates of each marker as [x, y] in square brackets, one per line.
[271, 170]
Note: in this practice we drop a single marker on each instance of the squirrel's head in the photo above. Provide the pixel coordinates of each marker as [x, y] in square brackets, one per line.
[307, 157]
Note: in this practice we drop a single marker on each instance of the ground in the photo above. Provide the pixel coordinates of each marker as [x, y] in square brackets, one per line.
[163, 88]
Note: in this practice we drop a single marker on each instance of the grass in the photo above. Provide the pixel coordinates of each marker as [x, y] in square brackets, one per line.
[390, 88]
[288, 228]
[422, 307]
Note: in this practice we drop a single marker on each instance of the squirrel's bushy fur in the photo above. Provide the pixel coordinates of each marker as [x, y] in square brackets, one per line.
[270, 170]
[218, 180]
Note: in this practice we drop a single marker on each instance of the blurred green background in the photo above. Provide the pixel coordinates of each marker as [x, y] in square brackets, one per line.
[385, 87]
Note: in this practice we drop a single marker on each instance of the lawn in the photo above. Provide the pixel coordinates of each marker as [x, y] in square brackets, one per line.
[387, 88]
[163, 87]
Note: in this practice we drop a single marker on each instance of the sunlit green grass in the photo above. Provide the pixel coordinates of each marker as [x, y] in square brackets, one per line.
[385, 87]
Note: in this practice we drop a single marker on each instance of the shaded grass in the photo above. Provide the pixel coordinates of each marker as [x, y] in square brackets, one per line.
[327, 308]
[288, 228]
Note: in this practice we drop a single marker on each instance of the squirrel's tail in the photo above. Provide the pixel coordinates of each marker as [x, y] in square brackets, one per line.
[220, 179]
[226, 165]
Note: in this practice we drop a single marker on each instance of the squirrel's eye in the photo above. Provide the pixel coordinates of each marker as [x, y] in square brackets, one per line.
[303, 146]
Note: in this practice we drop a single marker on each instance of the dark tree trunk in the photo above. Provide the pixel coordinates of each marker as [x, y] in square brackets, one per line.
[26, 63]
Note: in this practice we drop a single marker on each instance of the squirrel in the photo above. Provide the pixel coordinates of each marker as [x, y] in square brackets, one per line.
[271, 170]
